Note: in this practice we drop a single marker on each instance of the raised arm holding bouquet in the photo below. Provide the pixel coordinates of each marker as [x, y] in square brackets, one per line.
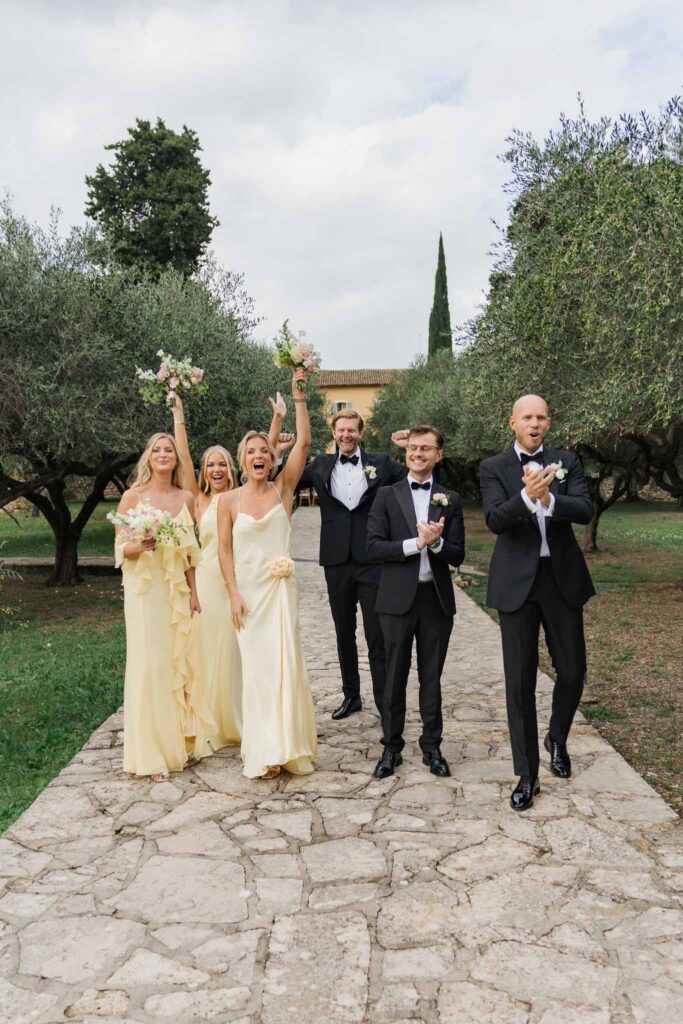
[254, 531]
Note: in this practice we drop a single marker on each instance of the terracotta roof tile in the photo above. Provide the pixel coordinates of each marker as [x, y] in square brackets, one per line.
[339, 378]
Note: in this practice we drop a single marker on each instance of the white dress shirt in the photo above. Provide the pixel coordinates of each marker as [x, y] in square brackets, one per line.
[542, 513]
[348, 483]
[421, 499]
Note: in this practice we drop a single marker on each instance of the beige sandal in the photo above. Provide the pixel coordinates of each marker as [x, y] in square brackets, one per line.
[160, 777]
[272, 772]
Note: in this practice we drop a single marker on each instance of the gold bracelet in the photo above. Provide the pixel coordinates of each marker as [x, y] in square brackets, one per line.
[178, 423]
[299, 399]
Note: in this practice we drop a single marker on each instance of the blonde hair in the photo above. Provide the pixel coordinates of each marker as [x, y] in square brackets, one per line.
[348, 414]
[142, 473]
[202, 481]
[242, 451]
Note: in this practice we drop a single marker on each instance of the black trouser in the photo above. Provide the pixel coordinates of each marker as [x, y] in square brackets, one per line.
[431, 627]
[563, 628]
[347, 585]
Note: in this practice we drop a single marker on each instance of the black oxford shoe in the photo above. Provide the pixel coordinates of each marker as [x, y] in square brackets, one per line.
[438, 765]
[347, 707]
[524, 792]
[386, 764]
[560, 764]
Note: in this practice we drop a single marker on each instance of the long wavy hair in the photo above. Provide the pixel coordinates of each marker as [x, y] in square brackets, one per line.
[242, 451]
[202, 479]
[142, 473]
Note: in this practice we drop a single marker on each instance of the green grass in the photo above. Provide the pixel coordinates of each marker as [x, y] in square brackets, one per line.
[62, 657]
[600, 713]
[32, 537]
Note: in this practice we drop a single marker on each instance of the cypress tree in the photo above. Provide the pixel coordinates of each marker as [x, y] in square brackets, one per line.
[440, 318]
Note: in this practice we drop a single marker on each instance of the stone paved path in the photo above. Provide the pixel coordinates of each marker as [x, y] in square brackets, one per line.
[336, 899]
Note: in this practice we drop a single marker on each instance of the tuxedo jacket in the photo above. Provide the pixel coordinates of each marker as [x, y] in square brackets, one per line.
[391, 521]
[343, 530]
[518, 544]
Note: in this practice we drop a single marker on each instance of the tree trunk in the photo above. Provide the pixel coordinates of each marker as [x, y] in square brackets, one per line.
[65, 572]
[590, 532]
[600, 505]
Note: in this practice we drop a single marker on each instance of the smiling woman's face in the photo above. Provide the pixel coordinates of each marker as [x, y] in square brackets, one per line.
[162, 457]
[257, 459]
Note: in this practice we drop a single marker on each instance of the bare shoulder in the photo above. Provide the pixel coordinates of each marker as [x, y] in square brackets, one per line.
[129, 499]
[228, 501]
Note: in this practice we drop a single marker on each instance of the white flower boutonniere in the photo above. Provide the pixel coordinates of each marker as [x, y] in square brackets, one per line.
[440, 499]
[560, 472]
[370, 472]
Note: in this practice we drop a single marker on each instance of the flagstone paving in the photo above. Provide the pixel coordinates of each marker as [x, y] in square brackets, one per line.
[336, 898]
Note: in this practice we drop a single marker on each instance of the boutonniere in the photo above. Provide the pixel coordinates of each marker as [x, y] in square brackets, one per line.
[440, 499]
[560, 472]
[370, 472]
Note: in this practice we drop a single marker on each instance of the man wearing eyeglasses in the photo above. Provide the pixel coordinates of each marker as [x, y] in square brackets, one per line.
[415, 532]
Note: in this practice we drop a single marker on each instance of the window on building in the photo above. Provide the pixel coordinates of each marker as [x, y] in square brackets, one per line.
[338, 406]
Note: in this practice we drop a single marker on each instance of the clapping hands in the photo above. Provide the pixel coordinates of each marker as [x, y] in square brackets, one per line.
[429, 534]
[537, 482]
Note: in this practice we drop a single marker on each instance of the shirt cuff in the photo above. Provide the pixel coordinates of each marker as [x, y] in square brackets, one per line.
[437, 547]
[551, 507]
[410, 546]
[531, 505]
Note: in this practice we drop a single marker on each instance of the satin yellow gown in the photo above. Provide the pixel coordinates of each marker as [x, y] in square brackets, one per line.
[165, 718]
[221, 664]
[278, 720]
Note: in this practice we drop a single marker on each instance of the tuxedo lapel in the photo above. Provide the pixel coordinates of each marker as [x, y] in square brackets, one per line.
[366, 460]
[327, 471]
[405, 500]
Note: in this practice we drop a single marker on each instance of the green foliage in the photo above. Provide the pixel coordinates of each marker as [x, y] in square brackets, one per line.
[152, 204]
[440, 335]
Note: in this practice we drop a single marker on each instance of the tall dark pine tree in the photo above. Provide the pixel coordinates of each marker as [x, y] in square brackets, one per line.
[440, 335]
[152, 204]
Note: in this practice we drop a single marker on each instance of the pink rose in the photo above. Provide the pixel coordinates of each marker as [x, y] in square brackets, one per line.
[171, 397]
[174, 382]
[163, 372]
[198, 373]
[193, 380]
[187, 384]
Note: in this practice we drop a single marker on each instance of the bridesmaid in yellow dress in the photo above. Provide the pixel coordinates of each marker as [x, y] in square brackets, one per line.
[165, 719]
[278, 721]
[220, 656]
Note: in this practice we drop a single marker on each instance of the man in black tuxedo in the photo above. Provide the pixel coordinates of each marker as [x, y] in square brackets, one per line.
[532, 494]
[346, 483]
[415, 531]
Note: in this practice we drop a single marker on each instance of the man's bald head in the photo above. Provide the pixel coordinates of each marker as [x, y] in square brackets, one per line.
[530, 421]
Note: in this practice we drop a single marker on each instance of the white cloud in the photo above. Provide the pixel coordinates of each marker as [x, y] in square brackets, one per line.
[341, 136]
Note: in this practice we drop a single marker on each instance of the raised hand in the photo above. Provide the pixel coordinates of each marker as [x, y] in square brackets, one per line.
[298, 375]
[400, 438]
[284, 442]
[177, 406]
[429, 533]
[279, 406]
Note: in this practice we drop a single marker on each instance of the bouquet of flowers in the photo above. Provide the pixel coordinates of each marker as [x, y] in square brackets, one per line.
[173, 375]
[148, 523]
[292, 351]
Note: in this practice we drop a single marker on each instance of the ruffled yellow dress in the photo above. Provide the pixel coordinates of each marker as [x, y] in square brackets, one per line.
[165, 718]
[221, 663]
[278, 720]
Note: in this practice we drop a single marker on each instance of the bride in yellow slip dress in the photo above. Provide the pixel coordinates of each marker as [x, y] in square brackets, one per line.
[278, 720]
[220, 655]
[165, 720]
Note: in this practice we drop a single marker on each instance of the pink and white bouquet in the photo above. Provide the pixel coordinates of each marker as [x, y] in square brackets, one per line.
[174, 376]
[291, 351]
[148, 523]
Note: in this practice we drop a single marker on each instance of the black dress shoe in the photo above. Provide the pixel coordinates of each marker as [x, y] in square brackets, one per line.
[386, 764]
[347, 707]
[560, 764]
[438, 765]
[524, 792]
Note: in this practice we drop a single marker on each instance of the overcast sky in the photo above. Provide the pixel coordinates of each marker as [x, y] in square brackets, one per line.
[341, 136]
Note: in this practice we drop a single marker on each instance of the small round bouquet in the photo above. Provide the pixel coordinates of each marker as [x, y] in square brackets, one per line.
[173, 375]
[148, 523]
[291, 352]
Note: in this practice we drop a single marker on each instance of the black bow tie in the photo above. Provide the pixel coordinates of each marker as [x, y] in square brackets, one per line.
[524, 457]
[421, 487]
[353, 459]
